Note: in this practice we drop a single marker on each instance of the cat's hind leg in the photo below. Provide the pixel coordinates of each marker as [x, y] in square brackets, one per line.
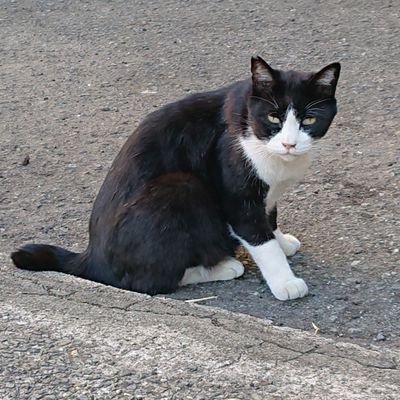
[227, 269]
[171, 224]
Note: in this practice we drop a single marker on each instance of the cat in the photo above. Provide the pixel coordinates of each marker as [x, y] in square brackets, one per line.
[197, 178]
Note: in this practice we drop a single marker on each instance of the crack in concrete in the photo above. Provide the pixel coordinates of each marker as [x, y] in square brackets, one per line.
[313, 350]
[69, 297]
[216, 322]
[392, 368]
[303, 353]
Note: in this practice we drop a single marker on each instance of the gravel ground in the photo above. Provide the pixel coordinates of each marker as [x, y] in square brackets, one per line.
[77, 77]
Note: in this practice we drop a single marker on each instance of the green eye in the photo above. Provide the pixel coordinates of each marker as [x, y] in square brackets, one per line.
[274, 119]
[308, 120]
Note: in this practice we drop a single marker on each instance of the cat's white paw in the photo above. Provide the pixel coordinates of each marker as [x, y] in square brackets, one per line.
[226, 270]
[289, 244]
[292, 289]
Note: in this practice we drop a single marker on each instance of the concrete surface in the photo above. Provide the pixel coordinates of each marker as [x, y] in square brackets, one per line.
[69, 338]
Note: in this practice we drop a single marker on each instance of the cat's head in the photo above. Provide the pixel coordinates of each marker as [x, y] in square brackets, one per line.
[289, 110]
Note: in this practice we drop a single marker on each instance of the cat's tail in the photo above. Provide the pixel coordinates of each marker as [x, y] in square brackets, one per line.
[44, 257]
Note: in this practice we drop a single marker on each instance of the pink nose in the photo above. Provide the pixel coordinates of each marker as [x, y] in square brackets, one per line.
[288, 146]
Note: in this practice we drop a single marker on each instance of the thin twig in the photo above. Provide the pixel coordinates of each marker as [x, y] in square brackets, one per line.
[202, 299]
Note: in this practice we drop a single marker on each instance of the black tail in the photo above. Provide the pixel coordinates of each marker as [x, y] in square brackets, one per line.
[43, 257]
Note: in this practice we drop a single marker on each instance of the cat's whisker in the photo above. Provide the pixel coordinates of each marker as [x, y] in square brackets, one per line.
[314, 103]
[273, 103]
[316, 108]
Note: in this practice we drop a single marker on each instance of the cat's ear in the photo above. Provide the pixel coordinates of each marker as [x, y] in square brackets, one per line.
[261, 72]
[326, 79]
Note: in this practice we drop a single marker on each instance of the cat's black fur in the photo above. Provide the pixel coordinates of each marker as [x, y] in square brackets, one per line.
[179, 181]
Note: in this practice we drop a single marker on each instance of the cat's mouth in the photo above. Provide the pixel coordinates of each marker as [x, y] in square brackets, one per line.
[290, 154]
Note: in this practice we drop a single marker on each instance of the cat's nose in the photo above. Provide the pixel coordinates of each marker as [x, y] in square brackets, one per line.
[288, 146]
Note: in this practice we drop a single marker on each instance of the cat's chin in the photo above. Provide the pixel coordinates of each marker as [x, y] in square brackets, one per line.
[288, 157]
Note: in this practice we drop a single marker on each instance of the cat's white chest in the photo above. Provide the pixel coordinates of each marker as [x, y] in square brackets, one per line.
[275, 192]
[280, 175]
[277, 173]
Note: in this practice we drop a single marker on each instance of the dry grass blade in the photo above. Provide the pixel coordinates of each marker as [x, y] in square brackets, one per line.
[316, 328]
[201, 299]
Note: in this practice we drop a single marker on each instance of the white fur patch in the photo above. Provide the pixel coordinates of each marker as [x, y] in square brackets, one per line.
[278, 172]
[289, 244]
[275, 269]
[290, 128]
[225, 270]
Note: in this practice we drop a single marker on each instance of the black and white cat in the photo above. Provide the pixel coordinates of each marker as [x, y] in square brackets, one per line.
[197, 178]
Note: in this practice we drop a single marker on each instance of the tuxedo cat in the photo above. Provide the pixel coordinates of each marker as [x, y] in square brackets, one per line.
[197, 178]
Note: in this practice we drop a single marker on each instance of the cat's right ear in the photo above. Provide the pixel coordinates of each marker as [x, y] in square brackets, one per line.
[262, 73]
[326, 79]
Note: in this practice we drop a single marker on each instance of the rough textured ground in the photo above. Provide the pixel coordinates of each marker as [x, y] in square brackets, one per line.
[76, 78]
[65, 338]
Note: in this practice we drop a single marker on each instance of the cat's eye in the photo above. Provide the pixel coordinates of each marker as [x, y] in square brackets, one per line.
[274, 119]
[308, 120]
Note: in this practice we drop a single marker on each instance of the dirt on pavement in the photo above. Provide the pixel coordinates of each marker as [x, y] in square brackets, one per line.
[77, 77]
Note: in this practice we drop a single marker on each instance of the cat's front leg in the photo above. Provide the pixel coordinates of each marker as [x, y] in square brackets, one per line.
[289, 244]
[259, 240]
[275, 269]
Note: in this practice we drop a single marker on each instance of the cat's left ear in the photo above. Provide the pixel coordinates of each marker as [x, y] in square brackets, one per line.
[327, 79]
[262, 73]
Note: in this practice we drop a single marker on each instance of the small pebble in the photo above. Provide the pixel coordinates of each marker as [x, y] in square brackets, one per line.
[271, 389]
[355, 331]
[380, 337]
[26, 161]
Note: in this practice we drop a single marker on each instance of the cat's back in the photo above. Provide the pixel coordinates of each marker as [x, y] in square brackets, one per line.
[189, 118]
[180, 136]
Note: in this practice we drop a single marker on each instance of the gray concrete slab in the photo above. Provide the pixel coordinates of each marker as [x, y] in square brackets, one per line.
[63, 337]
